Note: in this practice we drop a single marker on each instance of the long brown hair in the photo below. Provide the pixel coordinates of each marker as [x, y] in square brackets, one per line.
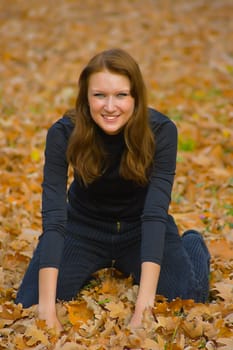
[85, 151]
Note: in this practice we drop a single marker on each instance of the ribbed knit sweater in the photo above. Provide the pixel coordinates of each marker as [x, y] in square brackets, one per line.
[109, 198]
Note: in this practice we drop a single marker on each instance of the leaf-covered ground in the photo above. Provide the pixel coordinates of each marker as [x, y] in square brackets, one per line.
[185, 51]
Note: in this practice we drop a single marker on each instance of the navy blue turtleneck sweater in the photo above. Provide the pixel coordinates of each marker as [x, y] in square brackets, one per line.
[110, 198]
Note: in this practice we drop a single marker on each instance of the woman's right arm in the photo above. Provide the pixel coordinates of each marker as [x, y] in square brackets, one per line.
[54, 217]
[47, 297]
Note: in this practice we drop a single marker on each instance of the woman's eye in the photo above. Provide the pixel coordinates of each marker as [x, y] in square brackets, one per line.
[99, 95]
[122, 94]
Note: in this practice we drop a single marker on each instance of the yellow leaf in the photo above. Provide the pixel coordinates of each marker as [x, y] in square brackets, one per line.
[19, 342]
[10, 311]
[34, 335]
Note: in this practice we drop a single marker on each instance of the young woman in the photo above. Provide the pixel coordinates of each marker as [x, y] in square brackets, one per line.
[124, 158]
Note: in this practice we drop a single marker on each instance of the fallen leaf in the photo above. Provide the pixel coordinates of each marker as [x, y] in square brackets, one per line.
[150, 344]
[117, 309]
[78, 313]
[225, 290]
[34, 336]
[225, 343]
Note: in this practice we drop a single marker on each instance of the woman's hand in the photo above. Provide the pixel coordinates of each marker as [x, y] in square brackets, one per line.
[147, 291]
[136, 320]
[50, 317]
[146, 294]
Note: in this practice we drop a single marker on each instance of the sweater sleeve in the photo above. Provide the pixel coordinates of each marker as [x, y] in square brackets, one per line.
[155, 213]
[54, 189]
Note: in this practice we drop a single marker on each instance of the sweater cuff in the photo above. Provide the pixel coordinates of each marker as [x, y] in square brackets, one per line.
[51, 249]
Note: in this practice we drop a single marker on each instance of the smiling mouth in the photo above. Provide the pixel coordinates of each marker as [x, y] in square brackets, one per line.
[110, 117]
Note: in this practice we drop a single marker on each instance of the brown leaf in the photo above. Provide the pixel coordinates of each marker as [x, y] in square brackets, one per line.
[194, 329]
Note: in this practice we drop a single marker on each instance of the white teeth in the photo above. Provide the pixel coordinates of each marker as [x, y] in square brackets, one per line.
[110, 117]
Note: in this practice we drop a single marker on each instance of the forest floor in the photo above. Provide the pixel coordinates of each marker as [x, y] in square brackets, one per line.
[185, 52]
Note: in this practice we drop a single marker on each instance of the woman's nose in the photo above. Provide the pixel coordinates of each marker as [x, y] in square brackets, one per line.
[109, 104]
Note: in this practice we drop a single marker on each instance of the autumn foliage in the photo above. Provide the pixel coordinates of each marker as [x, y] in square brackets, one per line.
[184, 49]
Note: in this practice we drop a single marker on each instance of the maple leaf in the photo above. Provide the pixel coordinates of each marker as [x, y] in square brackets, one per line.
[78, 312]
[34, 336]
[9, 313]
[19, 342]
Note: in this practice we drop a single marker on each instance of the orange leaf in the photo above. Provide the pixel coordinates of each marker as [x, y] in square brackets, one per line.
[78, 312]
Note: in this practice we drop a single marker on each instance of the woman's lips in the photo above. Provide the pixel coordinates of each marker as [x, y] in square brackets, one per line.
[110, 117]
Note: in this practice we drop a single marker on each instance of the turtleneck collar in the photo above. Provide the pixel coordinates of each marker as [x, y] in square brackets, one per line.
[111, 139]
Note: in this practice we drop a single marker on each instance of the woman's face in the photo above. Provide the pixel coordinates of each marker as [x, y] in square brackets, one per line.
[110, 101]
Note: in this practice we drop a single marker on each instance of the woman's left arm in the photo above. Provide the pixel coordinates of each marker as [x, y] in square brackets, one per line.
[154, 218]
[147, 290]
